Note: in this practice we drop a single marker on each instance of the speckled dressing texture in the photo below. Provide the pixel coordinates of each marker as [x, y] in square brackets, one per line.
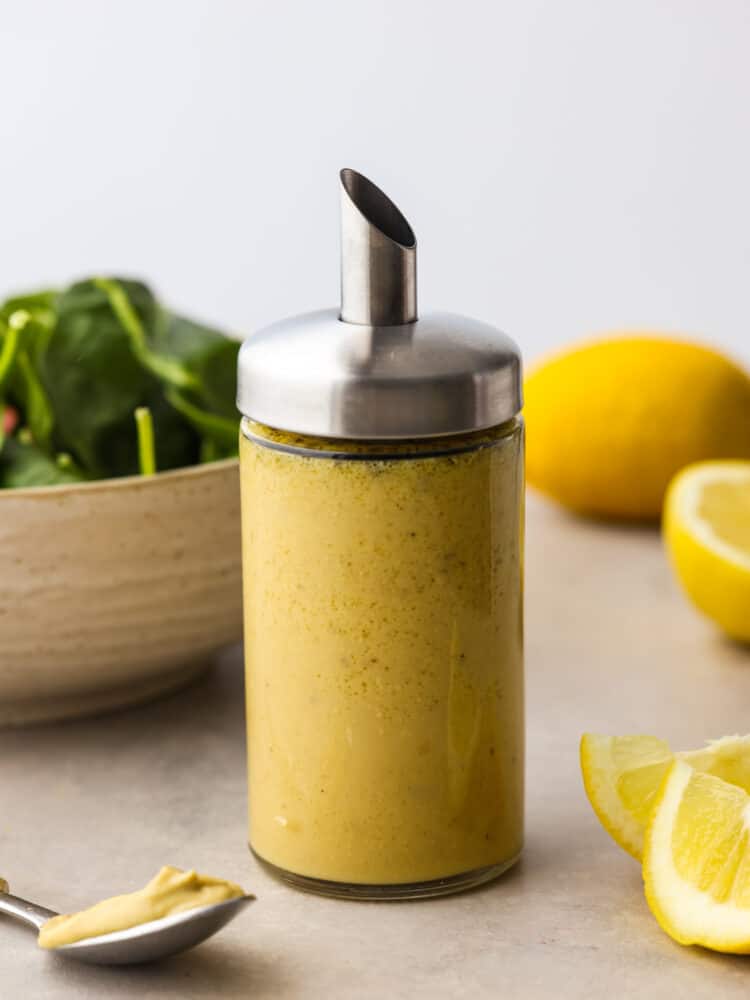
[383, 625]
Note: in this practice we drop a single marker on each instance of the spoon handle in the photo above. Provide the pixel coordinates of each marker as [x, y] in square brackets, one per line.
[23, 910]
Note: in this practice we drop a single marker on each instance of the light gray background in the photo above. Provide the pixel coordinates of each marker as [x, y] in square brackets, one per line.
[569, 167]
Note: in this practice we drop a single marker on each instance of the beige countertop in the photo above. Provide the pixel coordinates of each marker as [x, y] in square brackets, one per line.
[95, 807]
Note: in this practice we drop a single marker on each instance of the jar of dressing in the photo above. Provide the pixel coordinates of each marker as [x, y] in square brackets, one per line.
[381, 460]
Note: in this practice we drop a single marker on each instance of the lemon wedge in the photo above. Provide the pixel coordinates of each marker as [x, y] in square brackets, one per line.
[707, 533]
[622, 776]
[696, 860]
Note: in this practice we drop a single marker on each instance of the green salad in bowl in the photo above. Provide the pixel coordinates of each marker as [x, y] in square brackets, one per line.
[101, 380]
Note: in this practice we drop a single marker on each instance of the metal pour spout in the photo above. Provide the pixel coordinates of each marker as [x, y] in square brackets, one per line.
[378, 256]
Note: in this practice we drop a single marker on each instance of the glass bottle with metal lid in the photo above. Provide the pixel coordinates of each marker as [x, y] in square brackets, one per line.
[381, 460]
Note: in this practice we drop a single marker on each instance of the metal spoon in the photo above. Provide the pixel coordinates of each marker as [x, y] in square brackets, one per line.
[143, 943]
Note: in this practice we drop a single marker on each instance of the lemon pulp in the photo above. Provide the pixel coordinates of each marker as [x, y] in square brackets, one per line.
[696, 862]
[622, 776]
[707, 533]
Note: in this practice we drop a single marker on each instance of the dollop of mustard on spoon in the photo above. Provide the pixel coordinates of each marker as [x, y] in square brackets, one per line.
[170, 891]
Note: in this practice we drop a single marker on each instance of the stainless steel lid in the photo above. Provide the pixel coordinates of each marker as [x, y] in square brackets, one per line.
[373, 370]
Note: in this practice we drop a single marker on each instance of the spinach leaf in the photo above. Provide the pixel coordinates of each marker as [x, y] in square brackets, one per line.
[35, 315]
[93, 379]
[210, 405]
[33, 302]
[181, 352]
[8, 353]
[24, 464]
[198, 364]
[208, 356]
[31, 329]
[78, 364]
[28, 393]
[141, 334]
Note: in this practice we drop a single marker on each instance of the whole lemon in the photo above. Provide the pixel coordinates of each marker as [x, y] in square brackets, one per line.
[610, 422]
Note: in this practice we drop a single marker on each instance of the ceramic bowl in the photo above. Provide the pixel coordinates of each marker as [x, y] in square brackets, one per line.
[115, 591]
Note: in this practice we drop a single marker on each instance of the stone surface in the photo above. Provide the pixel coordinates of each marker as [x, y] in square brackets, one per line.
[94, 807]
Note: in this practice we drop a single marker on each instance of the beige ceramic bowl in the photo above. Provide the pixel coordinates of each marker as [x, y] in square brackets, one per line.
[115, 591]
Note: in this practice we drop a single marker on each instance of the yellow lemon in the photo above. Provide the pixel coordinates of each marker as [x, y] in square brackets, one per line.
[609, 423]
[707, 532]
[622, 775]
[696, 860]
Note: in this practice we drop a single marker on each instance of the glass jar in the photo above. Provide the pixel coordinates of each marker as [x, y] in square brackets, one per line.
[381, 463]
[383, 625]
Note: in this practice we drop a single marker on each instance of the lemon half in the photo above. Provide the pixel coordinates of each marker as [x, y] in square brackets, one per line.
[707, 533]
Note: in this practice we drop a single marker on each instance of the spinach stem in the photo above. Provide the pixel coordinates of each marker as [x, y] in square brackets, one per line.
[165, 368]
[39, 413]
[220, 427]
[146, 451]
[10, 342]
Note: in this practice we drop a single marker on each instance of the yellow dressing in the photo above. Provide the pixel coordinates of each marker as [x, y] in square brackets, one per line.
[170, 891]
[384, 656]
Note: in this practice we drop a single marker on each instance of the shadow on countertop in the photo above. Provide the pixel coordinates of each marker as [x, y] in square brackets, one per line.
[210, 970]
[215, 699]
